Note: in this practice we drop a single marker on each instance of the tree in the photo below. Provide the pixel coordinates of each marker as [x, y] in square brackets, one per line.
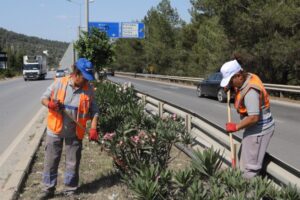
[266, 31]
[161, 45]
[95, 46]
[130, 55]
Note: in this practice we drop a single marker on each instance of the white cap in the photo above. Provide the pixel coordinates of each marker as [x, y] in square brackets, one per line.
[229, 69]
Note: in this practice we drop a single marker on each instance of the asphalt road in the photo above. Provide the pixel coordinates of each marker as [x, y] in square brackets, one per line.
[19, 102]
[285, 143]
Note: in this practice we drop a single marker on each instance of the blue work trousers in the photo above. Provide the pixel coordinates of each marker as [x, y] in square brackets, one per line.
[53, 150]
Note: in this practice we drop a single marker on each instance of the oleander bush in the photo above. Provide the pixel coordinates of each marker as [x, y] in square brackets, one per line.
[132, 137]
[140, 145]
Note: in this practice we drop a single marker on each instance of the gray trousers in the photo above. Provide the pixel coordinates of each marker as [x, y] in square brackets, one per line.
[53, 150]
[253, 151]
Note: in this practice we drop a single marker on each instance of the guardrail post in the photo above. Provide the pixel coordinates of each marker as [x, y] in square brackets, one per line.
[144, 99]
[160, 109]
[188, 122]
[281, 94]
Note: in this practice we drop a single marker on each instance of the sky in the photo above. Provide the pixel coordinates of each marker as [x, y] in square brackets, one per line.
[59, 19]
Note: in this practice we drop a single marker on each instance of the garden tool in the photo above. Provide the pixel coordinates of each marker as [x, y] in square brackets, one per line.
[232, 145]
[77, 123]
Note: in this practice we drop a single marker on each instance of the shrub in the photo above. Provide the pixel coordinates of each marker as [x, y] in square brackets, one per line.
[7, 73]
[207, 163]
[133, 138]
[140, 146]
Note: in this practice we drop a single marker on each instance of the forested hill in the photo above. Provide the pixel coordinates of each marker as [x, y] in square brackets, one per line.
[16, 45]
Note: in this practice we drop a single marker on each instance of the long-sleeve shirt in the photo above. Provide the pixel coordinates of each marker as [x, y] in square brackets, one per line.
[71, 103]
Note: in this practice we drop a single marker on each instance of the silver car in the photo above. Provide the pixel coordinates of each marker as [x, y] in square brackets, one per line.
[60, 73]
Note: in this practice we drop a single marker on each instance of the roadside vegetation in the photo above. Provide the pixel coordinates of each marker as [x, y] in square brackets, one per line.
[8, 73]
[265, 33]
[137, 160]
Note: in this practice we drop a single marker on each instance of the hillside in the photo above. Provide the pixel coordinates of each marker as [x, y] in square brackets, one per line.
[17, 45]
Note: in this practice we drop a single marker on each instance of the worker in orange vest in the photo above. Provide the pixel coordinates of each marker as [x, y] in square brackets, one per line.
[67, 99]
[253, 105]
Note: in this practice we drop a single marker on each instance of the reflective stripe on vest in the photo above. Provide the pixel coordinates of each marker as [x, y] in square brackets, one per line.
[255, 83]
[55, 119]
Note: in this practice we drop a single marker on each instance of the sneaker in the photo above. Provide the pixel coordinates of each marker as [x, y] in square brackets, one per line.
[46, 195]
[69, 192]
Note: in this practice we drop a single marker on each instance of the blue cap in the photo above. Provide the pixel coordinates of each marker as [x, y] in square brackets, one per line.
[86, 68]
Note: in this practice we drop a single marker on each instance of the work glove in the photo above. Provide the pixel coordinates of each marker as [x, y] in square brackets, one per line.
[93, 135]
[55, 105]
[231, 127]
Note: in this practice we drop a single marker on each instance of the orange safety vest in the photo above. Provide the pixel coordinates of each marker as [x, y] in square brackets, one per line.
[55, 119]
[253, 82]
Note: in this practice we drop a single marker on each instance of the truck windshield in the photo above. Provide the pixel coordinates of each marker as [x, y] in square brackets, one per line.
[31, 66]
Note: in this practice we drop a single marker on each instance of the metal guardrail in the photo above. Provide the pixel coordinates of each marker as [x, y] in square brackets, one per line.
[208, 134]
[192, 80]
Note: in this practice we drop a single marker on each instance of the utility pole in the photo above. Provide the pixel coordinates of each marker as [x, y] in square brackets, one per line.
[87, 15]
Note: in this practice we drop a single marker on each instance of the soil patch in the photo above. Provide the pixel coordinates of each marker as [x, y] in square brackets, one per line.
[98, 177]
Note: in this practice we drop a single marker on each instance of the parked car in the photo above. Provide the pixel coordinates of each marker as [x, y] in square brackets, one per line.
[60, 73]
[211, 87]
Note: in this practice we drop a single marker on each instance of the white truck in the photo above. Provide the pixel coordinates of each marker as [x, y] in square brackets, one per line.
[34, 67]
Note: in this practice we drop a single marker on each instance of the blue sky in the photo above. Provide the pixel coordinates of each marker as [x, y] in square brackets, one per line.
[59, 19]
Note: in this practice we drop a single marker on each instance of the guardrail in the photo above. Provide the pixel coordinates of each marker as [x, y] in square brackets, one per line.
[207, 134]
[192, 80]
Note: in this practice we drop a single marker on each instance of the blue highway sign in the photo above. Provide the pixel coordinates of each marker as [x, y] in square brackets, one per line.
[111, 28]
[120, 30]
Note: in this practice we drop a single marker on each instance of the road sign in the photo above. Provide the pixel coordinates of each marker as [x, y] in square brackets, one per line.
[132, 30]
[120, 30]
[111, 28]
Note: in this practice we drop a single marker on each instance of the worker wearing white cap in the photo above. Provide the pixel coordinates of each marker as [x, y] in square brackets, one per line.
[252, 103]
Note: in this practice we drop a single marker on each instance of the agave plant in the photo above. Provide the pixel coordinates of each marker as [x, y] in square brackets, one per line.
[149, 183]
[260, 187]
[181, 182]
[207, 163]
[197, 191]
[217, 192]
[234, 181]
[289, 192]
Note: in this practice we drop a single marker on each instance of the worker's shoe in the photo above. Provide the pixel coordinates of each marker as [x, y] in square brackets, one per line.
[46, 195]
[69, 191]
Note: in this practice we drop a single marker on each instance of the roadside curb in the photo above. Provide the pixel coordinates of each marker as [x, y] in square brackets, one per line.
[16, 160]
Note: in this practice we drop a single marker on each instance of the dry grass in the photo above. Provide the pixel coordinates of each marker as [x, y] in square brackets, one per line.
[98, 178]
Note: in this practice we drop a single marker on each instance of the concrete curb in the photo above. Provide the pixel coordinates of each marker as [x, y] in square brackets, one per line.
[17, 158]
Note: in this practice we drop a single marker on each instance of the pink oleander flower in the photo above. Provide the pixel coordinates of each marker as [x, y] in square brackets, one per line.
[174, 116]
[109, 136]
[142, 133]
[135, 139]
